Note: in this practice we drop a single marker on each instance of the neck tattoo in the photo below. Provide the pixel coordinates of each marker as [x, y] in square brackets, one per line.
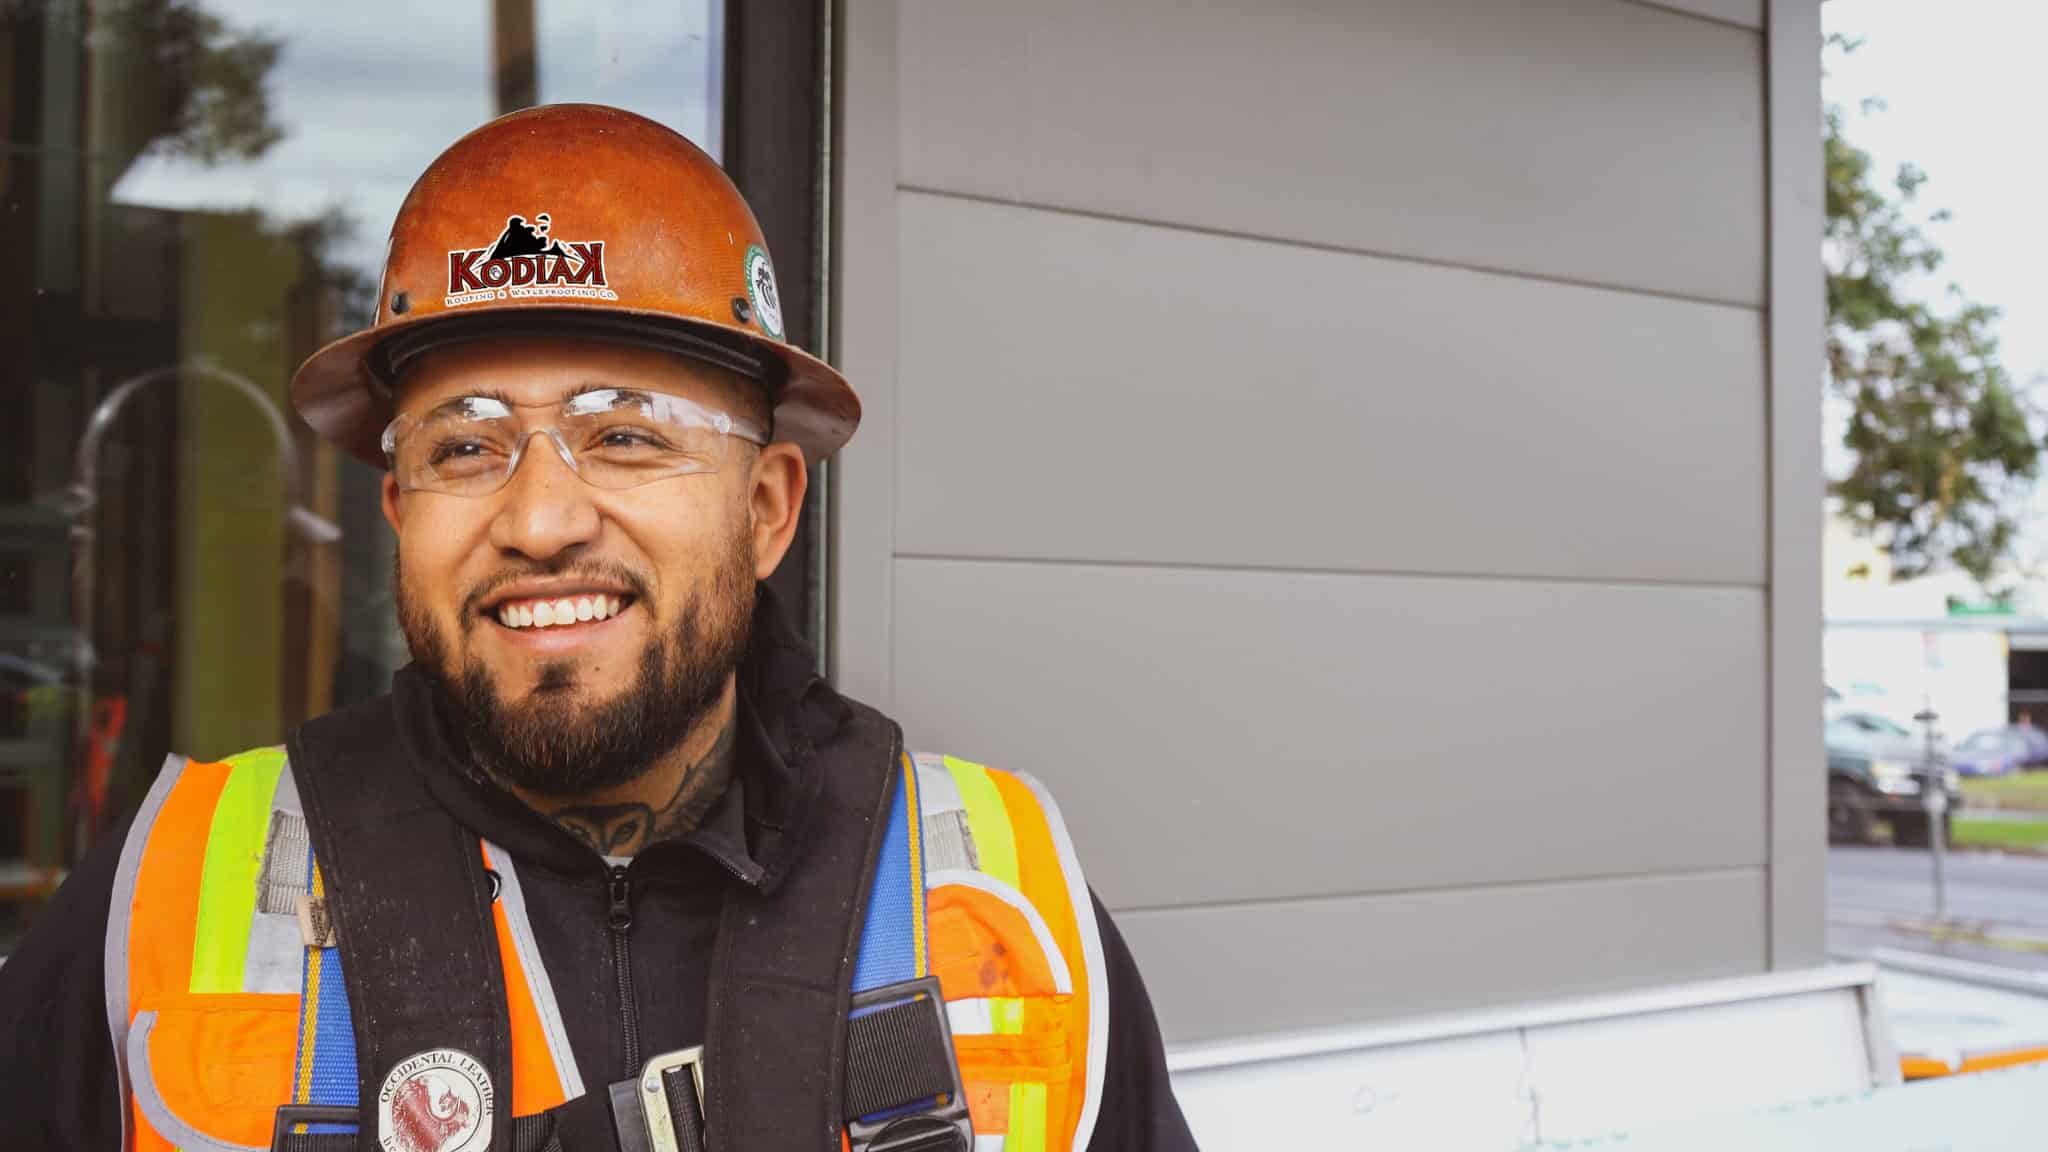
[626, 829]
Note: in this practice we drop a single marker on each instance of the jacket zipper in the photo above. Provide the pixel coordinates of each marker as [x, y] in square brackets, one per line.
[621, 921]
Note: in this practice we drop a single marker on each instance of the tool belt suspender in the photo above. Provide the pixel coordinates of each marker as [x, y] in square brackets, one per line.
[824, 1016]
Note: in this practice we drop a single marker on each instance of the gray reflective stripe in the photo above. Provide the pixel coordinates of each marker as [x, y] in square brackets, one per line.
[182, 1136]
[1091, 960]
[286, 850]
[513, 899]
[936, 790]
[1056, 960]
[119, 908]
[286, 798]
[942, 816]
[974, 1017]
[276, 957]
[287, 865]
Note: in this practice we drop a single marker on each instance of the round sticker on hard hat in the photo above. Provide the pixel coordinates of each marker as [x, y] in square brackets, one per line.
[761, 291]
[435, 1101]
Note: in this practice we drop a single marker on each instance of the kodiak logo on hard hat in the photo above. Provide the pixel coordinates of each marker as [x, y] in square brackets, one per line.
[526, 261]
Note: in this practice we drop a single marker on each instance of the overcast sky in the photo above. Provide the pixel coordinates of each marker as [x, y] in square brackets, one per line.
[1965, 97]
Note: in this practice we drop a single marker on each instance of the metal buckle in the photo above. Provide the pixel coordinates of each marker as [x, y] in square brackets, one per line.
[661, 1129]
[289, 1115]
[944, 1126]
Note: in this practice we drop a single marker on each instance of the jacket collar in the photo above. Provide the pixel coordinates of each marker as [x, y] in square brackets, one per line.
[786, 712]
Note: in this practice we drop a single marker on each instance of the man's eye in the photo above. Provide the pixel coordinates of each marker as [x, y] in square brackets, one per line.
[456, 451]
[630, 438]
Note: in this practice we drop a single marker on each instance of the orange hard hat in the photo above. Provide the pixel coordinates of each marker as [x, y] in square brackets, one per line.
[586, 220]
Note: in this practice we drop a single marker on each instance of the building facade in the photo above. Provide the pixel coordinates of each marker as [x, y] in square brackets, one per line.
[1365, 457]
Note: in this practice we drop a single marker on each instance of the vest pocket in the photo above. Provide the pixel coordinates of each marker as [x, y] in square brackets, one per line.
[1017, 1083]
[210, 1070]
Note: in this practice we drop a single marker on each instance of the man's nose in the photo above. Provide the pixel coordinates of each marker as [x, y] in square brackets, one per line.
[544, 508]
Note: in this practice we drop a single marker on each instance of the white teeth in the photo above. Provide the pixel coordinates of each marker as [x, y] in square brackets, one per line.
[553, 613]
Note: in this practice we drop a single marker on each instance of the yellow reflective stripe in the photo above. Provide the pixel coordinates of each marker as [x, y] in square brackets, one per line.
[921, 963]
[1027, 1119]
[995, 846]
[234, 860]
[1006, 1015]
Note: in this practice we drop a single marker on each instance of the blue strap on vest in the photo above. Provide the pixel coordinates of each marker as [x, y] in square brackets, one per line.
[892, 938]
[324, 1075]
[892, 951]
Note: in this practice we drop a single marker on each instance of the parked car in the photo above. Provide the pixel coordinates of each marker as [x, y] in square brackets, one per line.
[2035, 741]
[1875, 774]
[1992, 752]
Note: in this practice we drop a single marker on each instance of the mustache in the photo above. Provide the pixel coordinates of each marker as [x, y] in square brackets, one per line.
[603, 572]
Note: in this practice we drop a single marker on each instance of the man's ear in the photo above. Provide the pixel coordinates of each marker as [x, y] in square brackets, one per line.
[775, 500]
[393, 511]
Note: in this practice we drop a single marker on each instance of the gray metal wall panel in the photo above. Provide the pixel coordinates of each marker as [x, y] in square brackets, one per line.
[864, 346]
[1073, 387]
[1505, 787]
[1798, 794]
[1746, 13]
[1232, 971]
[1234, 736]
[1581, 139]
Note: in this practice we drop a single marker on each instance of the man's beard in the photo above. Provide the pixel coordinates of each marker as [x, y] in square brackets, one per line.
[557, 742]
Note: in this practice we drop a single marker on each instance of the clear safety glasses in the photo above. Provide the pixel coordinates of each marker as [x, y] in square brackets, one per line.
[611, 437]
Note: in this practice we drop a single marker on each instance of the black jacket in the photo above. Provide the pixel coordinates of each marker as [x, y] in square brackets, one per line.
[57, 1080]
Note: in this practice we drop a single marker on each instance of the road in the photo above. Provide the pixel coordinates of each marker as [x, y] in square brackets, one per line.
[1881, 897]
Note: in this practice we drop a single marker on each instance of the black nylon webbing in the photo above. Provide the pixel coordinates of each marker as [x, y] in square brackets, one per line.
[895, 1056]
[783, 965]
[401, 872]
[315, 1142]
[685, 1111]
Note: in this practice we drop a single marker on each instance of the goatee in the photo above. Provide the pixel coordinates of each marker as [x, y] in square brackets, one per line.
[560, 740]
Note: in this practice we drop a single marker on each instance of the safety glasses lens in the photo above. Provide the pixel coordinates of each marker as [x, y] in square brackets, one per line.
[615, 438]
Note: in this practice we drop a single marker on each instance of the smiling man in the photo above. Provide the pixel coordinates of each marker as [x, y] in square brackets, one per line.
[610, 867]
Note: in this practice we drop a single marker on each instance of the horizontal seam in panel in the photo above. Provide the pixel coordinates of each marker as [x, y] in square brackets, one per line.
[1343, 249]
[1756, 29]
[1753, 870]
[1371, 574]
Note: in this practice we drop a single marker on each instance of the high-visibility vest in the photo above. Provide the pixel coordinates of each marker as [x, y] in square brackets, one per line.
[222, 1010]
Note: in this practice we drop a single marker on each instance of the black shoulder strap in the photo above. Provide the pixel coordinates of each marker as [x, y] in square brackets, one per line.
[410, 900]
[783, 967]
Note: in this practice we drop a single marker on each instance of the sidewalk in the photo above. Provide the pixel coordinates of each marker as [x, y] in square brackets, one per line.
[1954, 1010]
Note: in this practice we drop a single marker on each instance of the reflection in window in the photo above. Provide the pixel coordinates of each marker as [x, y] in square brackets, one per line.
[207, 184]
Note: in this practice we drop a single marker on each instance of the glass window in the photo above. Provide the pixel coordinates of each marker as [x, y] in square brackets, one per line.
[200, 192]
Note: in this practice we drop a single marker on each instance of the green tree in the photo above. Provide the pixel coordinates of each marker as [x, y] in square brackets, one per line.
[1944, 446]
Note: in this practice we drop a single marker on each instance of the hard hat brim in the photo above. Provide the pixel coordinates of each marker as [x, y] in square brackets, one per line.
[342, 396]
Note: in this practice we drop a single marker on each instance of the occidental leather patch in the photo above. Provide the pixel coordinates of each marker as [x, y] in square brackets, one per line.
[316, 926]
[526, 261]
[435, 1101]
